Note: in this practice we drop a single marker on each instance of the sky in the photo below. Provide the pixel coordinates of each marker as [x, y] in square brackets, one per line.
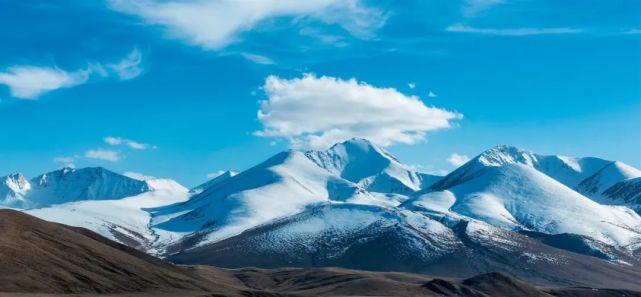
[184, 89]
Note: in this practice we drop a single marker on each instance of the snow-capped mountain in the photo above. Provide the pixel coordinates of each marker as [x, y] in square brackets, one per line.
[67, 185]
[281, 186]
[518, 197]
[355, 205]
[589, 176]
[13, 189]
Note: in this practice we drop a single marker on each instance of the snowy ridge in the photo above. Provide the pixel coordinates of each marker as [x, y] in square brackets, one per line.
[567, 170]
[589, 176]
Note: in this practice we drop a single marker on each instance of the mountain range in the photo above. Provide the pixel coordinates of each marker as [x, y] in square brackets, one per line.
[551, 220]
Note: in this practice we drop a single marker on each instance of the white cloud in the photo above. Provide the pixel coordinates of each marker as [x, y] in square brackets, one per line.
[137, 145]
[29, 82]
[138, 175]
[431, 94]
[411, 85]
[107, 155]
[473, 7]
[258, 59]
[512, 31]
[112, 140]
[316, 112]
[457, 160]
[129, 67]
[66, 161]
[214, 24]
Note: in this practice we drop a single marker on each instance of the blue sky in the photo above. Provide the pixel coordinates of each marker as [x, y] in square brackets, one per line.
[174, 88]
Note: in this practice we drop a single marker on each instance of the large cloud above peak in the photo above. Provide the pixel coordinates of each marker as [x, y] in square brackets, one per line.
[214, 24]
[316, 112]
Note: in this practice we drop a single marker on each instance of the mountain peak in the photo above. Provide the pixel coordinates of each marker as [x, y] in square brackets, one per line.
[13, 185]
[506, 154]
[69, 184]
[360, 161]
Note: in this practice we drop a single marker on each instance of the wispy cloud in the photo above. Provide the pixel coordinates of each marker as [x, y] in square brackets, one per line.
[457, 160]
[114, 141]
[512, 31]
[106, 155]
[214, 24]
[315, 112]
[129, 67]
[30, 82]
[411, 85]
[258, 59]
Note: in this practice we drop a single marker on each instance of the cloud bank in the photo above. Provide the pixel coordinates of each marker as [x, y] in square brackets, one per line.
[316, 112]
[214, 24]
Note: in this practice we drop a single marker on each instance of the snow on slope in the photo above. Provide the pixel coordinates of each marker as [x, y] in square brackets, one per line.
[363, 163]
[341, 219]
[281, 186]
[13, 189]
[516, 196]
[124, 220]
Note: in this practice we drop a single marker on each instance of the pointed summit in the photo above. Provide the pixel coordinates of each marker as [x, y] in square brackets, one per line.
[361, 161]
